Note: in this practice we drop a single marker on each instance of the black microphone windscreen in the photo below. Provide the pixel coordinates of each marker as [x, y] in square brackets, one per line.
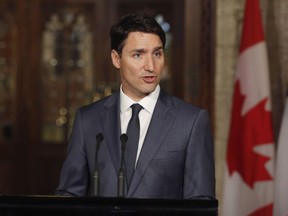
[123, 138]
[99, 137]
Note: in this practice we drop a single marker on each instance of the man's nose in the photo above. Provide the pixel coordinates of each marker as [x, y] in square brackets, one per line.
[149, 64]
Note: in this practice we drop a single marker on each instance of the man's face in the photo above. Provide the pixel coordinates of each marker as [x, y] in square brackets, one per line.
[141, 64]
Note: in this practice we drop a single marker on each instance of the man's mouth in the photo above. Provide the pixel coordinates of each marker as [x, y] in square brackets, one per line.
[149, 79]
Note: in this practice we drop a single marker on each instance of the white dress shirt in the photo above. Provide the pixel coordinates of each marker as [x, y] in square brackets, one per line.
[148, 103]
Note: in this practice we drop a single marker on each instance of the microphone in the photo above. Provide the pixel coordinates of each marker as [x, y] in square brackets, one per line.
[96, 173]
[121, 173]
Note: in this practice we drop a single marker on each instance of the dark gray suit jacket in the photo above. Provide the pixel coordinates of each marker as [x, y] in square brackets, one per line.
[176, 160]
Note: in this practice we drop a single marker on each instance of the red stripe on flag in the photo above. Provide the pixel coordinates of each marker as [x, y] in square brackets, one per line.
[264, 211]
[252, 32]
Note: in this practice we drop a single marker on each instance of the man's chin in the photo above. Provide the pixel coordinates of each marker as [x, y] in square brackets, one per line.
[150, 89]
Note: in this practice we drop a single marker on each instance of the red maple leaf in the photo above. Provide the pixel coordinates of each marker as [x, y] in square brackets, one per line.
[247, 132]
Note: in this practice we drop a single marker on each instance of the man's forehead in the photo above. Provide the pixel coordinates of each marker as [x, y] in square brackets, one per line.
[141, 34]
[142, 40]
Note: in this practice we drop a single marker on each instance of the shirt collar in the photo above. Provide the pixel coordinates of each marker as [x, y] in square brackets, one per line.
[148, 102]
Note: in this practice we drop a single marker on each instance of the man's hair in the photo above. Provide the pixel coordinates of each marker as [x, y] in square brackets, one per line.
[134, 22]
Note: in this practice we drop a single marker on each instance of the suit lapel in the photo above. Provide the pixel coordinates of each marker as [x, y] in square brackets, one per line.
[160, 124]
[110, 118]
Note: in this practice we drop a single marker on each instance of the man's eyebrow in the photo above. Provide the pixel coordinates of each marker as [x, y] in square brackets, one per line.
[158, 48]
[139, 50]
[144, 50]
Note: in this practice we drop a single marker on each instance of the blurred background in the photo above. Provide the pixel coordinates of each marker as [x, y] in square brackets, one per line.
[55, 57]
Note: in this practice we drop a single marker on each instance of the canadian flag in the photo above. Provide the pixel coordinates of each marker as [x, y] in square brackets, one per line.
[248, 183]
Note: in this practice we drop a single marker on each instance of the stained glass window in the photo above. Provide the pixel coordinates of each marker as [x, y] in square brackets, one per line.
[8, 66]
[67, 75]
[167, 70]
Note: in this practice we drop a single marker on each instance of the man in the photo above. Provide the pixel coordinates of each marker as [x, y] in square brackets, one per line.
[175, 150]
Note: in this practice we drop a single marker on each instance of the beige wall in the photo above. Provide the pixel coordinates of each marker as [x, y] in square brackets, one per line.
[229, 14]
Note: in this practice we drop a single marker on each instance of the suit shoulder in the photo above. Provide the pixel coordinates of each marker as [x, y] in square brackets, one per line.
[183, 106]
[179, 107]
[186, 112]
[98, 105]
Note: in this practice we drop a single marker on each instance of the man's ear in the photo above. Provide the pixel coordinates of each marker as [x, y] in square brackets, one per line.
[115, 59]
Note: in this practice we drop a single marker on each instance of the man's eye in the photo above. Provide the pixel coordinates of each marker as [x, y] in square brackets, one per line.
[137, 55]
[157, 54]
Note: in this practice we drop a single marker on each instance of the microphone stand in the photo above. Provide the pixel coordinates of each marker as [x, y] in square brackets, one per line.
[121, 173]
[96, 173]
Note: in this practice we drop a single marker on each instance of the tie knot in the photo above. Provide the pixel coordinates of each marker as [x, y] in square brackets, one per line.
[136, 109]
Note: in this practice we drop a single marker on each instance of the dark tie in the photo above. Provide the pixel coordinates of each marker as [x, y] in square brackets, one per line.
[133, 132]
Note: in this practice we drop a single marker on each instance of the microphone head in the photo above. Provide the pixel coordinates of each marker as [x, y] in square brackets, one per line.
[123, 138]
[99, 137]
